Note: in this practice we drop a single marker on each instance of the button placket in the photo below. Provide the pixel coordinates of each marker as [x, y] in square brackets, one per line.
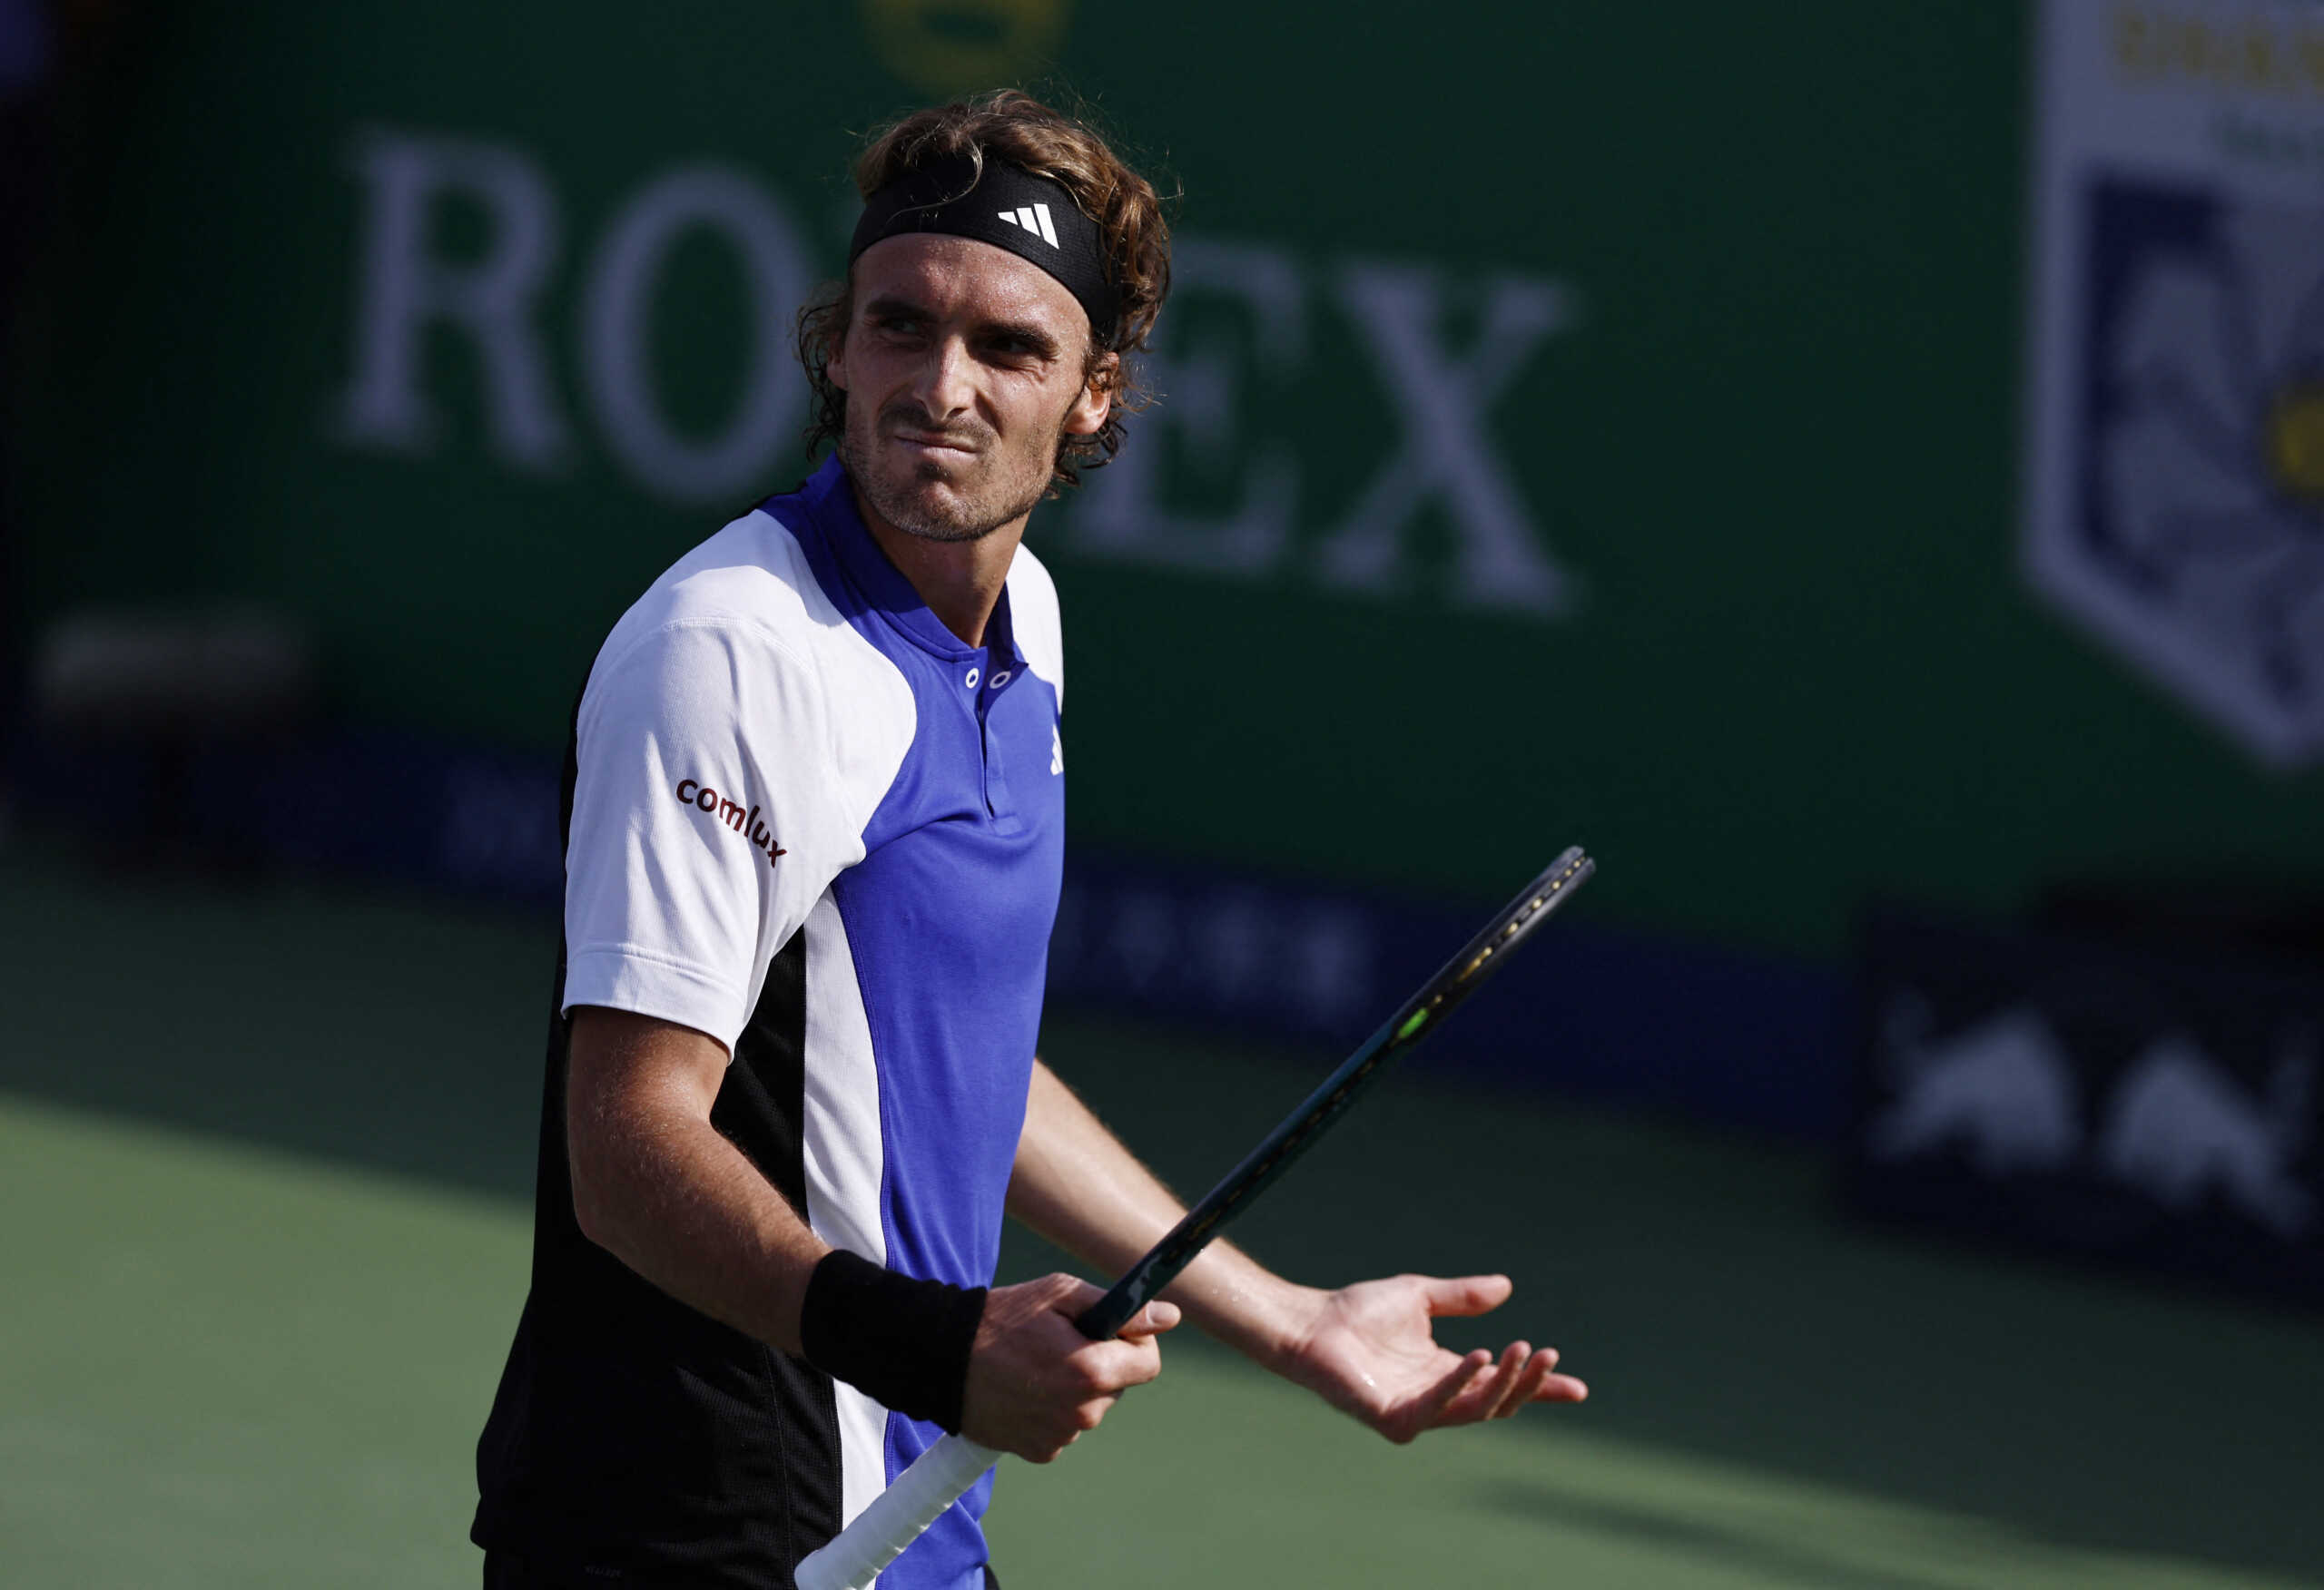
[998, 803]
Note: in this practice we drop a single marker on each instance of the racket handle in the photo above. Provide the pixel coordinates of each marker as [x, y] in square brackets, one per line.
[899, 1515]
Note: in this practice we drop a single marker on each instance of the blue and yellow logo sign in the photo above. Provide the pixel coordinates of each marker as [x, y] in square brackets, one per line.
[956, 46]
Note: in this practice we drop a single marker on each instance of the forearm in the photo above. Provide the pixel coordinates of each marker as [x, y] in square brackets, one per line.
[663, 1190]
[1076, 1185]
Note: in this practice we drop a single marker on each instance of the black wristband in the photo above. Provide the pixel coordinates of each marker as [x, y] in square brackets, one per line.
[905, 1342]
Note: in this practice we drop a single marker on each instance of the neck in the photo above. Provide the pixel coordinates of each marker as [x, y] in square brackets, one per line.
[960, 581]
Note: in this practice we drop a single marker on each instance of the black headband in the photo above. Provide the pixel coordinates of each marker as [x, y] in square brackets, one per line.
[1009, 207]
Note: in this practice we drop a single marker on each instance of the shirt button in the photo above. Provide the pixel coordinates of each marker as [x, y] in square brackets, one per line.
[972, 680]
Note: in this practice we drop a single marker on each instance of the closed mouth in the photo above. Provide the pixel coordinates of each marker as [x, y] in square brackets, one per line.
[933, 442]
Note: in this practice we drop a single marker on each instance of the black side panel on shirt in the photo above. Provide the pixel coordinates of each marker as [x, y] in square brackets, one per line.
[634, 1441]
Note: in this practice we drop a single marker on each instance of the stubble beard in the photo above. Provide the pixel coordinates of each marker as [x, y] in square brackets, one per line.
[949, 518]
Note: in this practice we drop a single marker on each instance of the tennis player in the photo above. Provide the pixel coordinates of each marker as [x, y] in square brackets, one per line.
[814, 823]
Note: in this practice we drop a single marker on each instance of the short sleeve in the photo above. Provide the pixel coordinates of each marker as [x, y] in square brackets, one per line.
[708, 818]
[1033, 610]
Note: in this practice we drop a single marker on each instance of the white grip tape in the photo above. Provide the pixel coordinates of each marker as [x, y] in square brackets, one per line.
[897, 1516]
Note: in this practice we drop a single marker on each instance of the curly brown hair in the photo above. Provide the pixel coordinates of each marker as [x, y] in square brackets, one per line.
[1020, 129]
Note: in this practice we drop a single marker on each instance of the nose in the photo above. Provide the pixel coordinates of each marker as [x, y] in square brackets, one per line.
[945, 387]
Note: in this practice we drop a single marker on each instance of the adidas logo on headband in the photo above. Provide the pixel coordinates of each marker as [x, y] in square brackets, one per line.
[1035, 219]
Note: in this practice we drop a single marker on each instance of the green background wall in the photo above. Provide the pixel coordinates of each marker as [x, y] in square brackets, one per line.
[1724, 304]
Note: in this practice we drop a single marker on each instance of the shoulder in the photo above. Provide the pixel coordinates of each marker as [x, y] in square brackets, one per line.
[741, 625]
[1033, 615]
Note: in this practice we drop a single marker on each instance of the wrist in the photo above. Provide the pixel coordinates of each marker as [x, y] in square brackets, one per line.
[904, 1343]
[1290, 1319]
[1250, 1308]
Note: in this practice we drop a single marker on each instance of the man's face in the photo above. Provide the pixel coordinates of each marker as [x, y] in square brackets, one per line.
[964, 368]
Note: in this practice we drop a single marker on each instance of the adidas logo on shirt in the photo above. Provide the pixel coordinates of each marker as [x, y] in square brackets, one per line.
[1034, 219]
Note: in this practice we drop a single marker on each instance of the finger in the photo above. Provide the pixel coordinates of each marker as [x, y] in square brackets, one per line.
[1491, 1393]
[1467, 1294]
[1150, 1320]
[1543, 1384]
[1429, 1411]
[1509, 1390]
[1114, 1366]
[1561, 1388]
[1489, 1390]
[1530, 1381]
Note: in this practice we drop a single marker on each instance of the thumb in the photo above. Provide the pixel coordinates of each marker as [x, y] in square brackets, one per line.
[1468, 1294]
[1150, 1320]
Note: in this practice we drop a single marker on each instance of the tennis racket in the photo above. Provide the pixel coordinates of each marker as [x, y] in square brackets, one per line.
[938, 1478]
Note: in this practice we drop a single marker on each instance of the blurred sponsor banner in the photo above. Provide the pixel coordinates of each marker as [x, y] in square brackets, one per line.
[1588, 423]
[1738, 1039]
[2176, 483]
[2092, 1099]
[1250, 955]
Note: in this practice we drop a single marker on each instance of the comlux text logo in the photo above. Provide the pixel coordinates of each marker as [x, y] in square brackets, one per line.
[703, 798]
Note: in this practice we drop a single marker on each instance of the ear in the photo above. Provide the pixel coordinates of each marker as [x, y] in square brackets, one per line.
[1087, 416]
[835, 336]
[835, 356]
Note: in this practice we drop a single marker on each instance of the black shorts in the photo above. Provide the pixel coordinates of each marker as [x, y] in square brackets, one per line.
[503, 1572]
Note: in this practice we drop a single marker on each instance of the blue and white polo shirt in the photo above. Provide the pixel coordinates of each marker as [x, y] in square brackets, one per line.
[806, 818]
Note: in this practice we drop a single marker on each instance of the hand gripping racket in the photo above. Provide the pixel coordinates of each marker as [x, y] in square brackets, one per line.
[942, 1474]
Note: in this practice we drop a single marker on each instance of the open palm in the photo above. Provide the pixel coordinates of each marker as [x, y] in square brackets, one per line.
[1370, 1351]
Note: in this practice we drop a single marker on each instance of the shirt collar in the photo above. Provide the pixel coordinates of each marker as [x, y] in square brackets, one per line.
[829, 497]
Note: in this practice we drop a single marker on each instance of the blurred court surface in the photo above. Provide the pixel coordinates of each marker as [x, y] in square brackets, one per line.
[267, 1154]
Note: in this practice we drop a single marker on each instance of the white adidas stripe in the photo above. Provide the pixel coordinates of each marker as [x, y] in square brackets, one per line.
[1034, 218]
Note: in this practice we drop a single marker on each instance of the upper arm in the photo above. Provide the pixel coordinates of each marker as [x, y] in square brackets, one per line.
[707, 819]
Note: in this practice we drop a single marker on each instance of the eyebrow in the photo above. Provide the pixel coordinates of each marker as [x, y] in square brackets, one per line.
[1033, 335]
[888, 303]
